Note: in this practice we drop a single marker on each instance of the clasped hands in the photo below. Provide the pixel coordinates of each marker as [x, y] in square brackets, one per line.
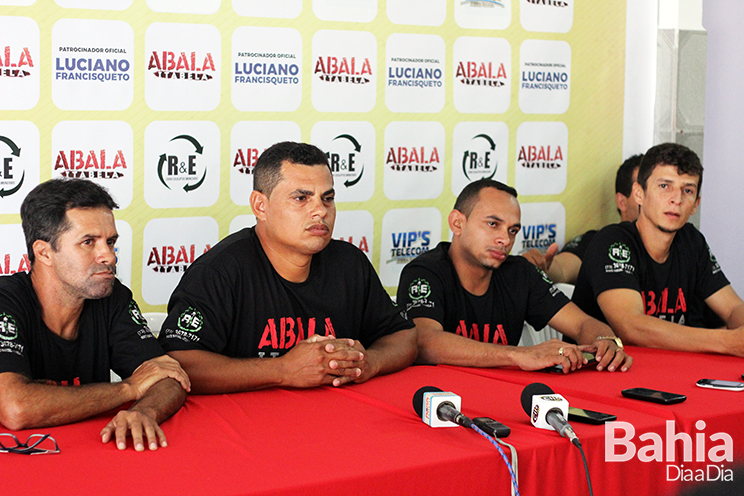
[326, 360]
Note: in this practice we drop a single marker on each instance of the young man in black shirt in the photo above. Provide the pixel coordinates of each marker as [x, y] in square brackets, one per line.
[470, 298]
[651, 280]
[282, 304]
[69, 321]
[564, 266]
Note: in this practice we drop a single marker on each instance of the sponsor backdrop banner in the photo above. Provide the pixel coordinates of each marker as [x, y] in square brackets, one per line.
[168, 104]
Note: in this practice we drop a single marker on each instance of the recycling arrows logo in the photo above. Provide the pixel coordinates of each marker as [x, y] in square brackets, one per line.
[15, 151]
[172, 159]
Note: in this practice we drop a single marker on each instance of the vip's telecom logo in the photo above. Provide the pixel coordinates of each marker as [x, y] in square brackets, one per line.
[182, 66]
[19, 164]
[181, 164]
[406, 234]
[545, 77]
[248, 140]
[551, 16]
[97, 150]
[93, 64]
[350, 147]
[482, 75]
[542, 225]
[267, 69]
[19, 63]
[170, 246]
[414, 73]
[542, 158]
[479, 150]
[344, 71]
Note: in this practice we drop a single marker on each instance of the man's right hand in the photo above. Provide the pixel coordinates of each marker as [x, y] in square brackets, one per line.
[153, 371]
[549, 353]
[319, 360]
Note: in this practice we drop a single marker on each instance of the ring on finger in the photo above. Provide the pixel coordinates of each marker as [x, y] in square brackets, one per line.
[560, 351]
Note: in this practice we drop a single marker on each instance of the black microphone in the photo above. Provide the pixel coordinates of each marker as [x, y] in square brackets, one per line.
[443, 404]
[546, 410]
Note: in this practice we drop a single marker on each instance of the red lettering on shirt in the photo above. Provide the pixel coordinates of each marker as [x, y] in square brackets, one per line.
[499, 334]
[75, 382]
[329, 328]
[284, 336]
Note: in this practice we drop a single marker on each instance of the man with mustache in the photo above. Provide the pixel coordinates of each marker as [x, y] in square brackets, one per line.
[469, 298]
[654, 280]
[69, 321]
[281, 303]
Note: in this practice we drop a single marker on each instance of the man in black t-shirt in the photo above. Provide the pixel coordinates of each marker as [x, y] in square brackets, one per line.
[564, 266]
[469, 299]
[282, 304]
[651, 280]
[69, 322]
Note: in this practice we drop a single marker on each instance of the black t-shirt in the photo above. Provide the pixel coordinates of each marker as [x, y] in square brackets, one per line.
[231, 301]
[579, 244]
[429, 287]
[674, 290]
[112, 335]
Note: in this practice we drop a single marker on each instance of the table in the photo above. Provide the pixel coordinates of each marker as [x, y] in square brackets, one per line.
[366, 439]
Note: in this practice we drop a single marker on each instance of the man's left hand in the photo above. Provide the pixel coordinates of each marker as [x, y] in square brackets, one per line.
[609, 356]
[364, 369]
[137, 423]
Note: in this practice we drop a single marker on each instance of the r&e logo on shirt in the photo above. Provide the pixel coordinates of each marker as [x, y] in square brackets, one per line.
[191, 320]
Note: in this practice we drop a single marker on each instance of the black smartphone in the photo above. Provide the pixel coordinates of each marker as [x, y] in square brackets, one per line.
[492, 427]
[589, 416]
[653, 395]
[559, 368]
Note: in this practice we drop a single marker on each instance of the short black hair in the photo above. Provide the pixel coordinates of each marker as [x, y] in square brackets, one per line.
[685, 160]
[469, 195]
[268, 170]
[624, 177]
[44, 210]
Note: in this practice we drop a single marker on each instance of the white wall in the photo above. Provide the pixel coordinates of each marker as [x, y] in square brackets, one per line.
[723, 182]
[640, 76]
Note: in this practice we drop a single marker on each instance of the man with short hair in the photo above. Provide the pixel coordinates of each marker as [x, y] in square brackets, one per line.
[564, 266]
[69, 321]
[470, 298]
[651, 280]
[281, 303]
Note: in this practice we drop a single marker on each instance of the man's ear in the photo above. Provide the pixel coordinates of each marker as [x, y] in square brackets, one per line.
[259, 202]
[456, 221]
[622, 202]
[42, 252]
[638, 193]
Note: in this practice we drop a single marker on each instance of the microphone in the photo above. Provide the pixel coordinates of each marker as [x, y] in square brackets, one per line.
[548, 410]
[438, 408]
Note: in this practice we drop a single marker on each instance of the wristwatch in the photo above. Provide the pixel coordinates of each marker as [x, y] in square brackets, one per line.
[616, 339]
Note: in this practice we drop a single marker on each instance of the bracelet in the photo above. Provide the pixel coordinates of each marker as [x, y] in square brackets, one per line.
[616, 339]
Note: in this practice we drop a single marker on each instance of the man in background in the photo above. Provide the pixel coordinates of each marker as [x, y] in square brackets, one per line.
[564, 266]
